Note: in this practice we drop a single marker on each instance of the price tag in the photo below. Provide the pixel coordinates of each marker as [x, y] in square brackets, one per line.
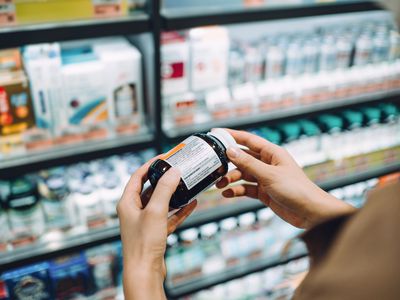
[7, 12]
[107, 8]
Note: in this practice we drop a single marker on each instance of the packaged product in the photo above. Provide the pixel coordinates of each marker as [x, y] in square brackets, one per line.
[219, 103]
[30, 282]
[84, 93]
[182, 108]
[7, 13]
[123, 77]
[10, 59]
[175, 64]
[16, 108]
[70, 277]
[209, 51]
[24, 211]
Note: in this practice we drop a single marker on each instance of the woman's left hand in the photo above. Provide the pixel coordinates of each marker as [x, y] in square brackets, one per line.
[144, 227]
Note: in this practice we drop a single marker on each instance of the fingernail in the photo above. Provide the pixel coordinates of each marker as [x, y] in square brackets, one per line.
[233, 152]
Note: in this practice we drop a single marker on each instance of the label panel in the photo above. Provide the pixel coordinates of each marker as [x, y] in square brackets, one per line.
[195, 159]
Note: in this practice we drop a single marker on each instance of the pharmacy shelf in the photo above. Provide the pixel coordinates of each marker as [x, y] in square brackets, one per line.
[55, 246]
[20, 35]
[175, 133]
[21, 163]
[51, 247]
[177, 19]
[249, 205]
[228, 274]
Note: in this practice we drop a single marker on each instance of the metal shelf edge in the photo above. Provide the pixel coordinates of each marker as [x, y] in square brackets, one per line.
[16, 36]
[254, 119]
[175, 20]
[230, 274]
[30, 161]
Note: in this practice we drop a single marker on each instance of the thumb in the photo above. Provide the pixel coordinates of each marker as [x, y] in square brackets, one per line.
[249, 164]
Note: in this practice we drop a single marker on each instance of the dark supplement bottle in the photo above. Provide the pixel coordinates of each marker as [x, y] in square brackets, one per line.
[202, 161]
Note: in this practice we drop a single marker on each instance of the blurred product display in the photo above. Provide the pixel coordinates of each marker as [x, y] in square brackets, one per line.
[92, 89]
[64, 95]
[238, 77]
[19, 12]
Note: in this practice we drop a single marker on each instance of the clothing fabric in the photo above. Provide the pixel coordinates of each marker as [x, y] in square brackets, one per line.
[356, 256]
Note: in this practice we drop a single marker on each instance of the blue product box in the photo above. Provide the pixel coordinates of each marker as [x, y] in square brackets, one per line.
[31, 282]
[70, 277]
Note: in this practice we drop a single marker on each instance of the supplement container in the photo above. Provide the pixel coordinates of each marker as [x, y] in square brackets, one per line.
[201, 160]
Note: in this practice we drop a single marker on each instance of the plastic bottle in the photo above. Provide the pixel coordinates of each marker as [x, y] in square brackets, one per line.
[24, 211]
[214, 262]
[54, 197]
[331, 139]
[192, 254]
[202, 161]
[248, 246]
[229, 243]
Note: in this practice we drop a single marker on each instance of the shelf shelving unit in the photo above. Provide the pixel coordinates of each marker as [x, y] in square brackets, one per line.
[197, 284]
[16, 164]
[174, 133]
[20, 35]
[177, 19]
[71, 243]
[153, 23]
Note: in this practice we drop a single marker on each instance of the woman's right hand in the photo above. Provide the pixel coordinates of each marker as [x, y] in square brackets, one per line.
[274, 177]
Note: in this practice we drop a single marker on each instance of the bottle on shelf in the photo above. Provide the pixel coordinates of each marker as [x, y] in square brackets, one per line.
[192, 253]
[214, 261]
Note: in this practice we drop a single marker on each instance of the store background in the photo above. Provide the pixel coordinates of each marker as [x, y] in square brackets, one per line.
[60, 183]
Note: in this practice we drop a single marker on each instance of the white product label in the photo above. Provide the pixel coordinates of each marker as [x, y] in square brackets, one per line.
[195, 159]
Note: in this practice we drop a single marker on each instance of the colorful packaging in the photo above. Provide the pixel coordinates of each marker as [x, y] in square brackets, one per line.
[175, 61]
[31, 282]
[10, 59]
[85, 91]
[124, 82]
[102, 262]
[16, 109]
[209, 57]
[70, 277]
[7, 13]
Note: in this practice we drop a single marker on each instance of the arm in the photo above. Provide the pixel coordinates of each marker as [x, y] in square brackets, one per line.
[145, 225]
[271, 175]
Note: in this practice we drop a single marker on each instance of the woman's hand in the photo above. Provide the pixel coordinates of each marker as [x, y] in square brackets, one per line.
[274, 177]
[144, 227]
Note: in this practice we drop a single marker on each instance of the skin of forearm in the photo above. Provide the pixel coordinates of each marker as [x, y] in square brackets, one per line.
[143, 283]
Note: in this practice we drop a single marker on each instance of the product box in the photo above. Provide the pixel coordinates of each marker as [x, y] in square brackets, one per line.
[30, 282]
[182, 108]
[209, 52]
[29, 11]
[16, 109]
[43, 65]
[123, 76]
[175, 63]
[70, 277]
[10, 59]
[7, 13]
[84, 94]
[103, 265]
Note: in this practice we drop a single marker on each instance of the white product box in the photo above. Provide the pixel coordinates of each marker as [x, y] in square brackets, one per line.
[43, 66]
[123, 75]
[209, 48]
[85, 92]
[175, 60]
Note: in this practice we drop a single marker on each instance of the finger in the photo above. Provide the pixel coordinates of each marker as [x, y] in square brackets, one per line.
[138, 178]
[252, 141]
[166, 186]
[248, 190]
[177, 219]
[249, 164]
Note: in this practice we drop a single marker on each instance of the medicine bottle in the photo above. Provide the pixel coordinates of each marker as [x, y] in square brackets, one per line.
[201, 160]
